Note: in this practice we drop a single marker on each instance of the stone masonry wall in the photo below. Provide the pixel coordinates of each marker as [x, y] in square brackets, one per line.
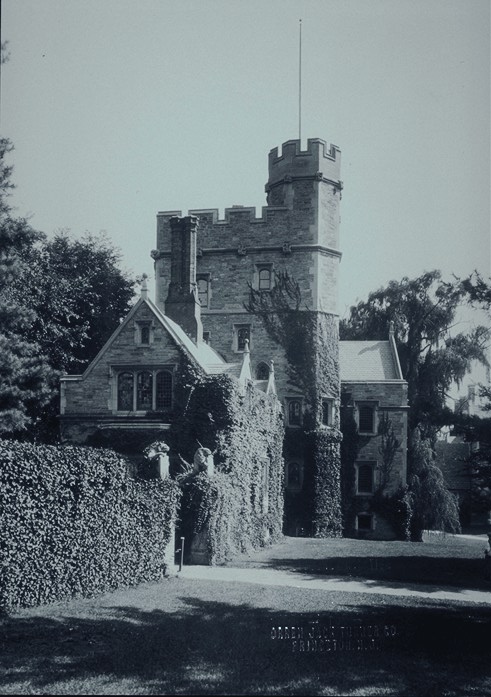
[94, 393]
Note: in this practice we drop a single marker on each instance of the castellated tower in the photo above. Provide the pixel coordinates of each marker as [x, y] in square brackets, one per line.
[297, 233]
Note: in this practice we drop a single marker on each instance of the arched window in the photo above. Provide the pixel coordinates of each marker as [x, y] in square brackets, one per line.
[265, 279]
[144, 388]
[125, 392]
[262, 371]
[163, 390]
[294, 412]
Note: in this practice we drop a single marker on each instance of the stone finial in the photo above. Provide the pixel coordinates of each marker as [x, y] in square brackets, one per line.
[246, 346]
[158, 450]
[203, 461]
[271, 366]
[144, 287]
[391, 328]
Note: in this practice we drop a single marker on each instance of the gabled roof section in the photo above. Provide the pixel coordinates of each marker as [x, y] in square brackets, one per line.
[203, 354]
[368, 361]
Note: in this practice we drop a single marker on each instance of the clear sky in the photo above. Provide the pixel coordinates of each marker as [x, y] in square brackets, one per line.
[121, 108]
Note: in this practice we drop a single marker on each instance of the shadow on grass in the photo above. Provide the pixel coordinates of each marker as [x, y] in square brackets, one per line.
[442, 571]
[220, 648]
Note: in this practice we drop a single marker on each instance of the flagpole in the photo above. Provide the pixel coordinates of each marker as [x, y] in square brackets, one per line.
[300, 85]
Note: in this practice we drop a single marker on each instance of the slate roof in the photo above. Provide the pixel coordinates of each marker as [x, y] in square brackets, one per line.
[367, 361]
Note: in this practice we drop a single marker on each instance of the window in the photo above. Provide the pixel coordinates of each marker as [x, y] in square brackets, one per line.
[262, 371]
[242, 335]
[143, 333]
[203, 283]
[327, 412]
[265, 279]
[294, 412]
[125, 392]
[367, 422]
[365, 477]
[144, 390]
[364, 522]
[294, 476]
[163, 396]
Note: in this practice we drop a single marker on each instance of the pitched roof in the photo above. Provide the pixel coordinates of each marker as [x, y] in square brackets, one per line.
[368, 361]
[203, 354]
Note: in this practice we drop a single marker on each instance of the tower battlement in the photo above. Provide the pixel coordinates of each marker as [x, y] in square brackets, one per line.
[318, 160]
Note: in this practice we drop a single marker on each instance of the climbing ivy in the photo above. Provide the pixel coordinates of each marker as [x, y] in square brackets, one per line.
[311, 344]
[240, 506]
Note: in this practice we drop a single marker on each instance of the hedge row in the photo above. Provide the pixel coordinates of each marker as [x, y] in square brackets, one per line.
[73, 523]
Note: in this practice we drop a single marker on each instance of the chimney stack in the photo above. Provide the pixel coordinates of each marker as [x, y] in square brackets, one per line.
[182, 304]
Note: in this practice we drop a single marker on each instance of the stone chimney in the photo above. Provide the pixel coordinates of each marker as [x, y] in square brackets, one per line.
[182, 304]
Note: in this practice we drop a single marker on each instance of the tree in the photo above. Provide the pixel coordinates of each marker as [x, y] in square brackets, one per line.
[26, 379]
[79, 295]
[423, 313]
[60, 300]
[433, 506]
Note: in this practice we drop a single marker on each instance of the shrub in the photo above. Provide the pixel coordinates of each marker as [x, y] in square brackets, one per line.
[75, 524]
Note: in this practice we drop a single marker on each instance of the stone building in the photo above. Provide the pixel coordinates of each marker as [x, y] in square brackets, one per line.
[204, 268]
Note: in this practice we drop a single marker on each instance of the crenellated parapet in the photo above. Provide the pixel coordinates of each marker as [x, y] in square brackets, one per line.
[318, 162]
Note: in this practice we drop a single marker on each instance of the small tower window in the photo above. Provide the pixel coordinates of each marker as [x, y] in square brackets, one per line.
[327, 412]
[242, 336]
[365, 477]
[262, 371]
[265, 279]
[294, 412]
[294, 476]
[203, 291]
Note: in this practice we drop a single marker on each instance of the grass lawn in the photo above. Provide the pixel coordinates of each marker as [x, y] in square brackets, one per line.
[440, 559]
[183, 636]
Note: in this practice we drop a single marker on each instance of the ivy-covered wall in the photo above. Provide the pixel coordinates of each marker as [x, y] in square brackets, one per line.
[241, 504]
[74, 523]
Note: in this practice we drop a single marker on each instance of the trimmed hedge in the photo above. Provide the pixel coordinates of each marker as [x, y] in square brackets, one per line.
[73, 523]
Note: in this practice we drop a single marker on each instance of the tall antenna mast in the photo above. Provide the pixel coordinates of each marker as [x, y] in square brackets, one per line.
[300, 85]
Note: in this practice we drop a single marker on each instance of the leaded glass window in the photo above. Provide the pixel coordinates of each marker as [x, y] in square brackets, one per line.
[125, 392]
